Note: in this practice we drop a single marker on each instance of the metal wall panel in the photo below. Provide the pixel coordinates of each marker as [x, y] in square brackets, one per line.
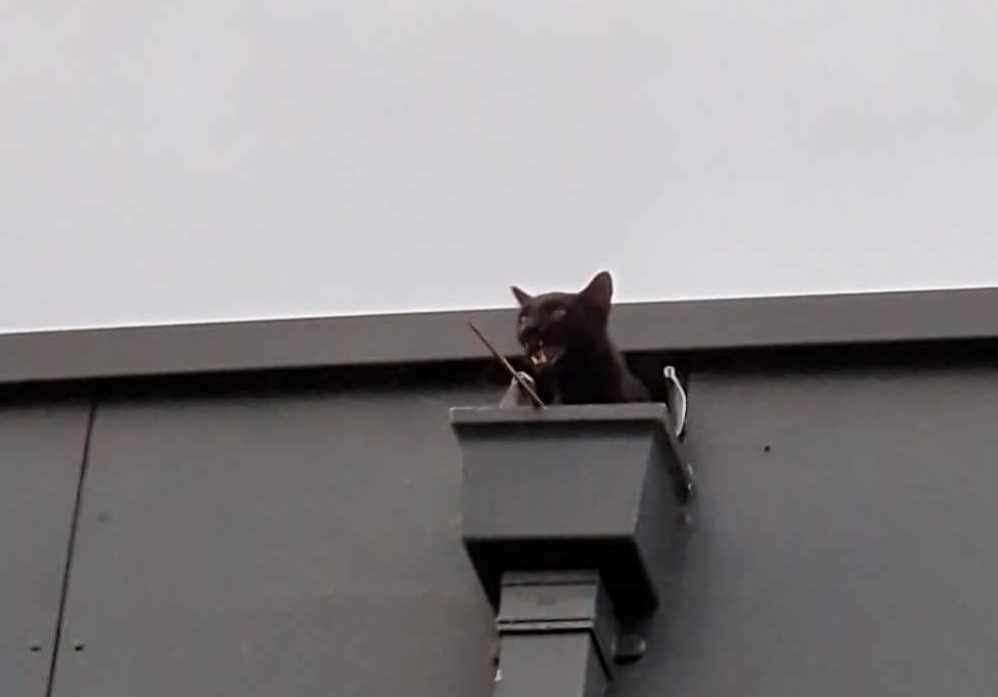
[274, 545]
[41, 451]
[843, 542]
[307, 544]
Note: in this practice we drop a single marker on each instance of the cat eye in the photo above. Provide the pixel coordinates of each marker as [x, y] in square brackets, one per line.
[558, 314]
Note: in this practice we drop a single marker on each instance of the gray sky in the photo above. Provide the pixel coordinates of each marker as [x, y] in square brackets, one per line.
[179, 161]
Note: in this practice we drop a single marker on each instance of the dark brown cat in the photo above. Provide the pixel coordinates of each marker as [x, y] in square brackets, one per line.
[572, 359]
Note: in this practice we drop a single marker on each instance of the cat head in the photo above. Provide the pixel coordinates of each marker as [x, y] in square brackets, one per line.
[553, 325]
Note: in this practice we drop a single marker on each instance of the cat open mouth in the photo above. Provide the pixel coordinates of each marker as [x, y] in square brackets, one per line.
[542, 357]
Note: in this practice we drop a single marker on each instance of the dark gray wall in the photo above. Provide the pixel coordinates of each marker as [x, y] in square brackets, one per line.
[854, 557]
[274, 544]
[41, 451]
[281, 540]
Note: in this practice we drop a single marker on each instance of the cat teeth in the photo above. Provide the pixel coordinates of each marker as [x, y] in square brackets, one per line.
[539, 358]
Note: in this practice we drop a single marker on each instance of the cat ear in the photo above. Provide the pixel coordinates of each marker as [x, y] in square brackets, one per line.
[521, 296]
[599, 291]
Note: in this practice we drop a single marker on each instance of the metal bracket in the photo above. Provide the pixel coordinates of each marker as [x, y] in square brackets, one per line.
[675, 400]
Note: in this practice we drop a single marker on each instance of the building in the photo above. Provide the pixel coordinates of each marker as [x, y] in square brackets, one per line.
[240, 245]
[257, 509]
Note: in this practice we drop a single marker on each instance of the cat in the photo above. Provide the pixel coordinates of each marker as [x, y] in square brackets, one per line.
[572, 359]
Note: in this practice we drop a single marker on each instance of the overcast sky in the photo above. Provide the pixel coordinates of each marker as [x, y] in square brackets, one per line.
[178, 161]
